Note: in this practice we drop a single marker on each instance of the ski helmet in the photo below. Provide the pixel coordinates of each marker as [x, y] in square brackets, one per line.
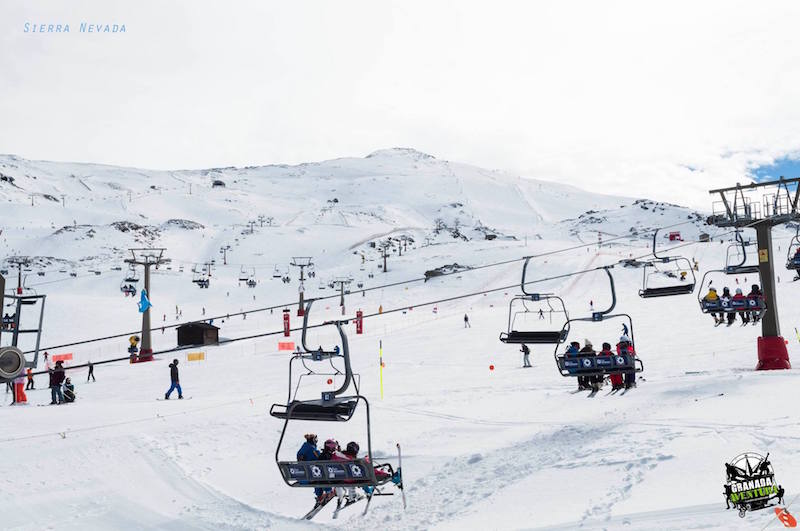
[624, 339]
[352, 448]
[331, 445]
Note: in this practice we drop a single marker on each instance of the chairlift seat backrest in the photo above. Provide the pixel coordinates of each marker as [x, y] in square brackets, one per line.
[598, 365]
[328, 473]
[741, 270]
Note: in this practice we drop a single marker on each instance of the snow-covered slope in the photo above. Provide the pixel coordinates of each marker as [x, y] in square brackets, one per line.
[505, 448]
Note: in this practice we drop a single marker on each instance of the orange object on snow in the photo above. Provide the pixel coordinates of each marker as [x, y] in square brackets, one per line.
[19, 392]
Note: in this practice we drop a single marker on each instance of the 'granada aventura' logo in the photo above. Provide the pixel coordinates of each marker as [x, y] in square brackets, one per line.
[750, 483]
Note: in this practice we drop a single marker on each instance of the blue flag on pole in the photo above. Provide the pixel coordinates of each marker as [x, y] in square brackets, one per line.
[144, 302]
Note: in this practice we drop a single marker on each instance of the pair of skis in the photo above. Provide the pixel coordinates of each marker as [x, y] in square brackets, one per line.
[339, 505]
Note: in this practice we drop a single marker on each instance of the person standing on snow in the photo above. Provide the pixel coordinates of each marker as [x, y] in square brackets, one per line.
[526, 362]
[91, 372]
[466, 321]
[56, 379]
[29, 385]
[173, 374]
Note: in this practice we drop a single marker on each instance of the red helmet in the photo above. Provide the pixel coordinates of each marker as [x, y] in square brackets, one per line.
[331, 445]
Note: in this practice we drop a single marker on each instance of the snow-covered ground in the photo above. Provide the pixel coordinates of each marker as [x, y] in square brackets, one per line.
[507, 448]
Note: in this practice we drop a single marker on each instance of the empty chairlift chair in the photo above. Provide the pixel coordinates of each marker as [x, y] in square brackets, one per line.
[530, 317]
[736, 258]
[665, 276]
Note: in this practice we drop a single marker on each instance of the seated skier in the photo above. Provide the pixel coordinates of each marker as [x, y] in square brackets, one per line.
[616, 379]
[712, 297]
[308, 452]
[589, 382]
[351, 453]
[626, 347]
[69, 391]
[739, 297]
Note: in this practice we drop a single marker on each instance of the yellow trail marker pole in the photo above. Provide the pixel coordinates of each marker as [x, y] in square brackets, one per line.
[380, 357]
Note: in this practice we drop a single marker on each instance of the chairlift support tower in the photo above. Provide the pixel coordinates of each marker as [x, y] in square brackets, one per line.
[302, 262]
[146, 258]
[342, 282]
[737, 210]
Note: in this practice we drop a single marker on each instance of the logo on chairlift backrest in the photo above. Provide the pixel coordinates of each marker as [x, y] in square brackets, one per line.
[316, 471]
[586, 362]
[355, 471]
[750, 483]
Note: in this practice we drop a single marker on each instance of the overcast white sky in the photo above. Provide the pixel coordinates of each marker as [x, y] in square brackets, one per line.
[661, 100]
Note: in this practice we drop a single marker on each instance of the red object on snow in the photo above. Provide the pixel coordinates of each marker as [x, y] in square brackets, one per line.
[62, 357]
[286, 327]
[675, 237]
[772, 354]
[359, 322]
[19, 393]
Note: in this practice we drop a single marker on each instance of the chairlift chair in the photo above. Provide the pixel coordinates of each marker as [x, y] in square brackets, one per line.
[669, 266]
[793, 256]
[594, 365]
[519, 307]
[128, 289]
[332, 406]
[736, 258]
[748, 304]
[131, 277]
[243, 276]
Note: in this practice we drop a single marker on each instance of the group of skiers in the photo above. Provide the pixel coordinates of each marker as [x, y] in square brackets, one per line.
[593, 383]
[749, 316]
[331, 451]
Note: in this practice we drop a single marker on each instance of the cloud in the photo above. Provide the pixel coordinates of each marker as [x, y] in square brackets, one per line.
[658, 100]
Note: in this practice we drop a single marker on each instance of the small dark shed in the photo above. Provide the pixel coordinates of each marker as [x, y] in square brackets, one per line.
[197, 334]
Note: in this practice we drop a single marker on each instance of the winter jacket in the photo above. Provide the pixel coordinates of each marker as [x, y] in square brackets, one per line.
[56, 376]
[628, 349]
[525, 349]
[173, 372]
[571, 352]
[307, 452]
[711, 296]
